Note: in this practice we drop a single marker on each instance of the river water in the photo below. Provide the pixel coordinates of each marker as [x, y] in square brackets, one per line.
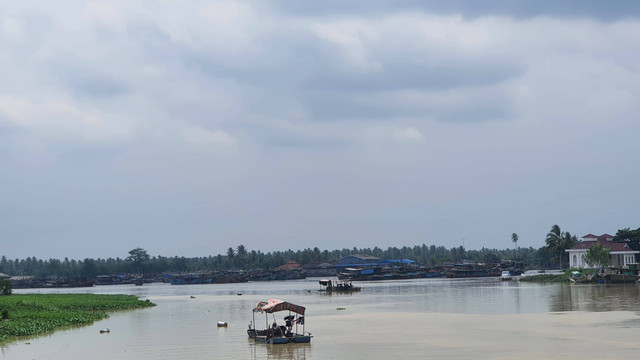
[417, 319]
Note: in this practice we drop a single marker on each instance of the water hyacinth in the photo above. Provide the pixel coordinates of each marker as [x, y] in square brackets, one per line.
[33, 314]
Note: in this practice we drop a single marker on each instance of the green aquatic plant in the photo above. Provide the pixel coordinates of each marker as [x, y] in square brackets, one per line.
[5, 286]
[34, 314]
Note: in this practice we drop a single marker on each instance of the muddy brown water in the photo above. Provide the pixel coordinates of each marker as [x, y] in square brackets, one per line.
[419, 319]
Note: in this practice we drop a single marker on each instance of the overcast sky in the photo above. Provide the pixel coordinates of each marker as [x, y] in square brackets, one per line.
[186, 128]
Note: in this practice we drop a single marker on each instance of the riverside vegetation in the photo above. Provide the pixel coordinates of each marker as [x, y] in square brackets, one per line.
[551, 255]
[553, 278]
[34, 314]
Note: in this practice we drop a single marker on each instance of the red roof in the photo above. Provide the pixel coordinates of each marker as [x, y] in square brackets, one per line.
[275, 305]
[288, 266]
[601, 237]
[612, 246]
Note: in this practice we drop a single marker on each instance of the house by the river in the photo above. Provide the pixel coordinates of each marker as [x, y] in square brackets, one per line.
[621, 254]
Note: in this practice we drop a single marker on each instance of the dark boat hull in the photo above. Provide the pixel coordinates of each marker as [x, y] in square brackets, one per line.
[262, 337]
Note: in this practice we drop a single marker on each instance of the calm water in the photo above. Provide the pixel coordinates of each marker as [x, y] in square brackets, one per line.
[421, 319]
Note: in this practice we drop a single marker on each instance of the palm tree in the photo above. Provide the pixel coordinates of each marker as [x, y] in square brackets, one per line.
[553, 240]
[558, 241]
[514, 238]
[241, 250]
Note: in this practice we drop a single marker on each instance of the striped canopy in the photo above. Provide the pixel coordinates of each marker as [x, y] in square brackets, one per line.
[275, 305]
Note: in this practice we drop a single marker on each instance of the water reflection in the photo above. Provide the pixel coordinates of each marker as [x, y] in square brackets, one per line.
[280, 352]
[446, 312]
[610, 297]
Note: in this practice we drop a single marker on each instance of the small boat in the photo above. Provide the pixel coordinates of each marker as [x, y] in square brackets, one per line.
[337, 286]
[279, 334]
[506, 276]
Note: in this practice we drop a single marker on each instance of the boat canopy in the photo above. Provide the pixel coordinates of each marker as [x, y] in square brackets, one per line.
[275, 305]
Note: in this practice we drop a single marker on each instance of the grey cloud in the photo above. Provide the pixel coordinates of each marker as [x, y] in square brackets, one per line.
[314, 76]
[306, 142]
[496, 111]
[315, 106]
[92, 83]
[603, 10]
[332, 106]
[408, 75]
[148, 34]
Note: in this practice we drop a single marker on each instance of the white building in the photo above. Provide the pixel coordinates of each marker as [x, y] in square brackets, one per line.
[621, 254]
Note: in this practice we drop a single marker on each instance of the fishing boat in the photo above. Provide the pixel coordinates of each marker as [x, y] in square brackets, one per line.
[337, 286]
[279, 334]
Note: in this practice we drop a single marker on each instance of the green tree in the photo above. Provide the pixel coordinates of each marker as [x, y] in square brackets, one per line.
[241, 255]
[490, 258]
[598, 256]
[138, 257]
[88, 269]
[558, 241]
[630, 237]
[514, 238]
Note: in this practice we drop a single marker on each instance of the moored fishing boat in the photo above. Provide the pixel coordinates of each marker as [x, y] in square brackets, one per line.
[279, 334]
[337, 286]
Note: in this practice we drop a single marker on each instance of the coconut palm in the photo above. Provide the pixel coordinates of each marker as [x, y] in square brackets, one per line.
[514, 238]
[558, 241]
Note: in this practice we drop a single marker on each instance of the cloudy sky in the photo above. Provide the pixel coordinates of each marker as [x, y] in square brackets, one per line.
[186, 128]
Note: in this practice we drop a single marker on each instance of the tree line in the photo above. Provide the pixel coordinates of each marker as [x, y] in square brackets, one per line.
[240, 258]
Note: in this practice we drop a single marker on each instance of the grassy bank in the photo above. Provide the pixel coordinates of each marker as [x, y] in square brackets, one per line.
[34, 314]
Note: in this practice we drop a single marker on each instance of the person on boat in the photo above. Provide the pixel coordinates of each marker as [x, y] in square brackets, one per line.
[289, 323]
[276, 330]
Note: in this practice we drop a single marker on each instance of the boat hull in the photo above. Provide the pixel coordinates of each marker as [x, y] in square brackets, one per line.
[300, 339]
[271, 341]
[260, 336]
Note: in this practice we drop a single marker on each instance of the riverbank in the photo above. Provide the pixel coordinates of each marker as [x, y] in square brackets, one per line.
[35, 314]
[563, 278]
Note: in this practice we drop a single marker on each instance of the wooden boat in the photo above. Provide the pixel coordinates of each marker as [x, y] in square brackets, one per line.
[279, 334]
[337, 286]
